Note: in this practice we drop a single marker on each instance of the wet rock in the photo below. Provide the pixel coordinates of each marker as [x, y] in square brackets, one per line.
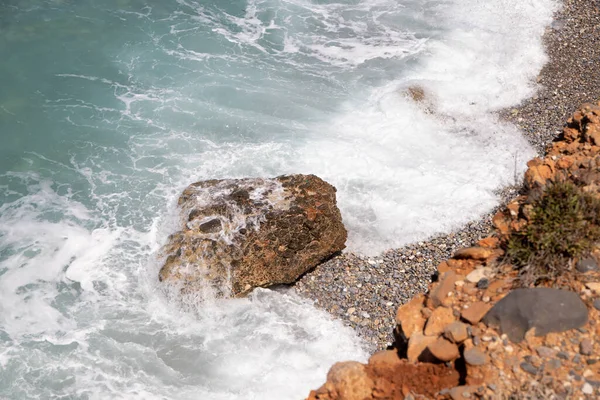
[547, 310]
[239, 234]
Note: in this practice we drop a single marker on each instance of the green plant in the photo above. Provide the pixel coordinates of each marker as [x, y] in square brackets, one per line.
[564, 224]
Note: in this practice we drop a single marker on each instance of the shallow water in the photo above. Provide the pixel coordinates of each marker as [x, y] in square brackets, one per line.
[109, 109]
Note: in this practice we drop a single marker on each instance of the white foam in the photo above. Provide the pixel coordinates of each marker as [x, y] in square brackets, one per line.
[405, 173]
[81, 310]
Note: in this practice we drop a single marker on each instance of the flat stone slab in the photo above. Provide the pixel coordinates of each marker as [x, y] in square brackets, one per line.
[545, 309]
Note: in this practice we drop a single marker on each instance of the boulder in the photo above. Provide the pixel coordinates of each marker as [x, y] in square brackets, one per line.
[239, 234]
[545, 309]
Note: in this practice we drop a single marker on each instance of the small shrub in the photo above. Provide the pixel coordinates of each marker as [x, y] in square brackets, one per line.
[564, 224]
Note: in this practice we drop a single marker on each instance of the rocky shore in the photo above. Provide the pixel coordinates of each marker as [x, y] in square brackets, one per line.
[516, 316]
[365, 292]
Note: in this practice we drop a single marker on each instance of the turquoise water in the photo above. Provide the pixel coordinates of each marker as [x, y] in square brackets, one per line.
[109, 109]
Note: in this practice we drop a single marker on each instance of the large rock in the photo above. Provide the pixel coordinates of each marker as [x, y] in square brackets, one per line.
[239, 234]
[545, 309]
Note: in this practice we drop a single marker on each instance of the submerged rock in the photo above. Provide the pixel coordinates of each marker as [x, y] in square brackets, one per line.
[239, 234]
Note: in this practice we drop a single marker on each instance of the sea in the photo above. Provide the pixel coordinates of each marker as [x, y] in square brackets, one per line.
[110, 108]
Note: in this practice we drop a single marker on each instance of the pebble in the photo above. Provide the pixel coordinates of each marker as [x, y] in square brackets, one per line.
[544, 351]
[597, 304]
[474, 356]
[586, 347]
[530, 369]
[483, 283]
[349, 282]
[587, 388]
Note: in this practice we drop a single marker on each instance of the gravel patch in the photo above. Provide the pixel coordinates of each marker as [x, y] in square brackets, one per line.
[366, 291]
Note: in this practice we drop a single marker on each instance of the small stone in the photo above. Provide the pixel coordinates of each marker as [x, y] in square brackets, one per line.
[478, 274]
[475, 356]
[546, 352]
[587, 389]
[597, 304]
[594, 383]
[553, 365]
[483, 283]
[440, 317]
[530, 369]
[475, 312]
[444, 350]
[593, 286]
[586, 347]
[587, 264]
[492, 387]
[563, 355]
[473, 253]
[461, 392]
[456, 332]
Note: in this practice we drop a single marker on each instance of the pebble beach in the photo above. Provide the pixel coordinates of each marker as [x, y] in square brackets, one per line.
[366, 291]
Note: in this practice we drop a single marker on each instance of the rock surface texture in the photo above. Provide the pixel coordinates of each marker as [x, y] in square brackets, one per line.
[239, 234]
[485, 331]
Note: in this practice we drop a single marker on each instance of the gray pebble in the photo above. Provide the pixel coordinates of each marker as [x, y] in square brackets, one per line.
[530, 369]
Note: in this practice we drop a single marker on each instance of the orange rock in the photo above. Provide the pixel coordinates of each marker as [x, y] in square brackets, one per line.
[417, 344]
[537, 174]
[456, 332]
[565, 162]
[592, 134]
[346, 381]
[513, 207]
[388, 357]
[441, 290]
[409, 317]
[490, 242]
[444, 350]
[473, 253]
[440, 317]
[475, 312]
[501, 222]
[443, 267]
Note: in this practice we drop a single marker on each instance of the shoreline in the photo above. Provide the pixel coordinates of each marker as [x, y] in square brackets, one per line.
[365, 292]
